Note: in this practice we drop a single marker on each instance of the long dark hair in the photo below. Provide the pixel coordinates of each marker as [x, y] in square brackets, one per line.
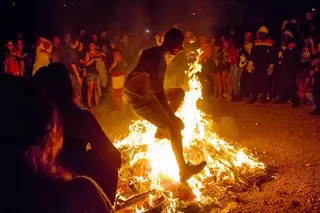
[56, 81]
[31, 134]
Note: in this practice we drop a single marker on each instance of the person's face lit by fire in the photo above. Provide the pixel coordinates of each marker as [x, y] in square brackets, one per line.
[174, 50]
[82, 33]
[104, 34]
[216, 49]
[189, 34]
[203, 40]
[309, 16]
[56, 41]
[92, 47]
[225, 45]
[126, 39]
[113, 46]
[247, 37]
[20, 45]
[94, 38]
[10, 46]
[67, 38]
[105, 48]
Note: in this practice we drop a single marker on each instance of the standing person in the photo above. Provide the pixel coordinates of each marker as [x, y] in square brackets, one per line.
[287, 68]
[217, 68]
[90, 62]
[117, 71]
[261, 65]
[56, 49]
[12, 65]
[226, 76]
[243, 63]
[95, 40]
[145, 93]
[21, 55]
[309, 25]
[43, 54]
[235, 72]
[69, 58]
[67, 38]
[207, 66]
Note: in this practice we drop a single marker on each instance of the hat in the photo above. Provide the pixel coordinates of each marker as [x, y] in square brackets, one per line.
[263, 29]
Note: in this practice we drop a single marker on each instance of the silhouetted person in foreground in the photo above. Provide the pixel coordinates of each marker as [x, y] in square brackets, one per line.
[87, 150]
[31, 139]
[145, 93]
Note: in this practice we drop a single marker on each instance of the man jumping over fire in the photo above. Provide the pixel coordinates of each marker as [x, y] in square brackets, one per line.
[145, 93]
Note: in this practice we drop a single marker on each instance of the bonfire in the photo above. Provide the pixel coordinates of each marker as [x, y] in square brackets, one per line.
[149, 178]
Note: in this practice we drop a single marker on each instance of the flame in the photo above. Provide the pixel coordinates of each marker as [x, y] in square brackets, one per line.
[150, 162]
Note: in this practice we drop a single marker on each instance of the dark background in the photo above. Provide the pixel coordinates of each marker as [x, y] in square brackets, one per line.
[33, 18]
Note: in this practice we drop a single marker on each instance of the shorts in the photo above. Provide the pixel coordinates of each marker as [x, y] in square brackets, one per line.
[92, 77]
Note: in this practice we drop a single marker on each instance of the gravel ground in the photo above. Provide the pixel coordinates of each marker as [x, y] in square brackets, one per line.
[283, 137]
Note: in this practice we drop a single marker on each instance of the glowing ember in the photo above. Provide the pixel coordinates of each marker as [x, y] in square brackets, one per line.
[150, 164]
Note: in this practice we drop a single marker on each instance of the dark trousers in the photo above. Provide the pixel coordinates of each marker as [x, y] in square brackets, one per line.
[245, 83]
[260, 83]
[287, 88]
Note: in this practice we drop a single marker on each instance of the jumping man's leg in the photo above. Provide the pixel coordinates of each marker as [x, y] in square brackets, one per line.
[152, 111]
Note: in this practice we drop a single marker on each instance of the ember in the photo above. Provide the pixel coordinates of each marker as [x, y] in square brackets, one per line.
[149, 177]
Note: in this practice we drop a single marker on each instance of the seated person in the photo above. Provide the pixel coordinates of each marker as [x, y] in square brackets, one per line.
[31, 138]
[87, 150]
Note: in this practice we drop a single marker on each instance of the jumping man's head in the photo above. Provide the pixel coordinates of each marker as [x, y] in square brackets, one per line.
[173, 40]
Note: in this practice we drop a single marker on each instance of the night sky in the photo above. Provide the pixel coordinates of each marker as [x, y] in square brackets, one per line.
[48, 17]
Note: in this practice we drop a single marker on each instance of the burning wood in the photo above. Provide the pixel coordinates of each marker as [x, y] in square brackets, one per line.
[149, 163]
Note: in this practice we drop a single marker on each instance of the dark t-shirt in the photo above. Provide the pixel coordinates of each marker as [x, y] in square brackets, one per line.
[68, 56]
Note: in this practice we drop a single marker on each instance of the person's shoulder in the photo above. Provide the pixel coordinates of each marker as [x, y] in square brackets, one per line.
[85, 194]
[83, 183]
[157, 50]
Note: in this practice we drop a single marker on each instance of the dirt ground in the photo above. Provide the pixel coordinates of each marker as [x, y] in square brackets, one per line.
[283, 137]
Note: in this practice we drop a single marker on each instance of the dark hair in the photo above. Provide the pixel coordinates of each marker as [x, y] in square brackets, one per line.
[172, 37]
[56, 81]
[31, 132]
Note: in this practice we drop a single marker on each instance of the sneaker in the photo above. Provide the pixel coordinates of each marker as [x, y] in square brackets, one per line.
[191, 170]
[225, 95]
